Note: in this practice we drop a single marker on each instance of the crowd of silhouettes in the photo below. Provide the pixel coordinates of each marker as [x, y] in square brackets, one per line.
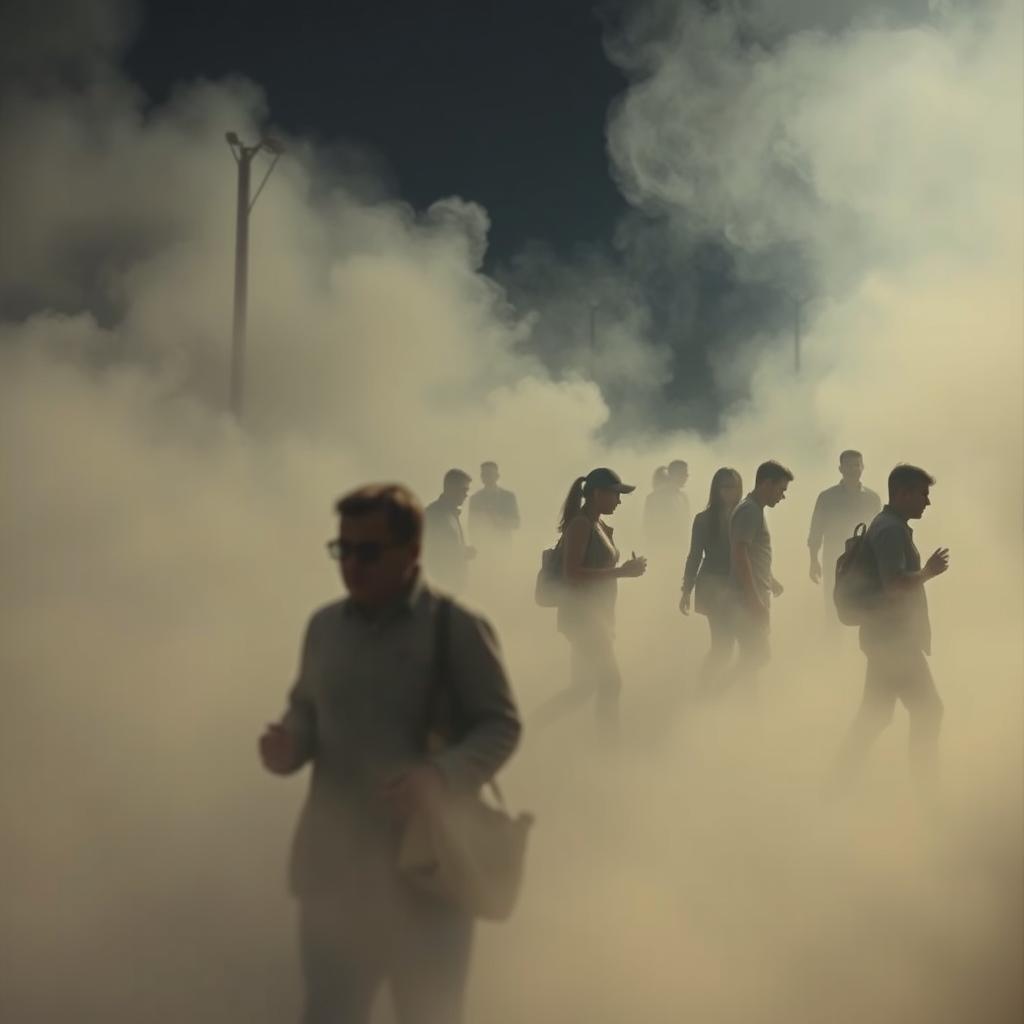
[360, 710]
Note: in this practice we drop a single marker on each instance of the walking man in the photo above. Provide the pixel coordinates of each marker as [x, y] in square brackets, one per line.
[493, 511]
[358, 713]
[446, 551]
[754, 584]
[837, 512]
[896, 635]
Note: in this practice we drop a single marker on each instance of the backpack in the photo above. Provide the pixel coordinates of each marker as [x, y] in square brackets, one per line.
[547, 591]
[858, 587]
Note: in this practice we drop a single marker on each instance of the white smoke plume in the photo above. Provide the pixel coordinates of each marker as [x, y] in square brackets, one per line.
[160, 560]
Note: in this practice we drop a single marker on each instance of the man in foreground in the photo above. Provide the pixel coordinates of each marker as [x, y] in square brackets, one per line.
[360, 712]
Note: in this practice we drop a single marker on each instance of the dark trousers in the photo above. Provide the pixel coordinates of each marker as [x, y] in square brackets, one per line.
[723, 642]
[895, 673]
[420, 949]
[752, 635]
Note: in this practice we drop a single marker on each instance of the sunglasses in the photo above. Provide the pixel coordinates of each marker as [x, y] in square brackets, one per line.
[365, 553]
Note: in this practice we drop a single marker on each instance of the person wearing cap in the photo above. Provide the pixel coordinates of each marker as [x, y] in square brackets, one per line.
[586, 615]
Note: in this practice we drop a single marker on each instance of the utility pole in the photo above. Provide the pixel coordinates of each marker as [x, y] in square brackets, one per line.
[593, 338]
[243, 158]
[798, 307]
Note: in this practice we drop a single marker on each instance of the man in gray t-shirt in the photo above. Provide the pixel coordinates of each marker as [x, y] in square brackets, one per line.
[896, 636]
[752, 578]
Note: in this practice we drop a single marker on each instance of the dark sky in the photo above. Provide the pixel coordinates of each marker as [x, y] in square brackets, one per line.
[500, 101]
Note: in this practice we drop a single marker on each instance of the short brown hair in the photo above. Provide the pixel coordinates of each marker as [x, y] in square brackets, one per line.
[402, 508]
[904, 475]
[772, 470]
[457, 476]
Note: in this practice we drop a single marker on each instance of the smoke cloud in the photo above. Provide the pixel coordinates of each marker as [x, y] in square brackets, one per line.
[160, 560]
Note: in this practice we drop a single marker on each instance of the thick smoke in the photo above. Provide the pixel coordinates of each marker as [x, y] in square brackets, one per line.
[160, 560]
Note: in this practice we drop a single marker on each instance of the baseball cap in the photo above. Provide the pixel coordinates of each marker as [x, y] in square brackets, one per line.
[607, 480]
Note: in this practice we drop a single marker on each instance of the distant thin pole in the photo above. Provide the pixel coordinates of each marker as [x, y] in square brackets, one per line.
[796, 335]
[238, 332]
[798, 329]
[593, 338]
[243, 157]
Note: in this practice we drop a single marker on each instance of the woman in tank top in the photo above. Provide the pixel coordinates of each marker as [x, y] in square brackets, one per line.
[586, 613]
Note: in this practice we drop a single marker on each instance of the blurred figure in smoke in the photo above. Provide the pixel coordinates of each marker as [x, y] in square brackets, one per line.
[359, 712]
[754, 585]
[708, 567]
[667, 508]
[586, 613]
[493, 511]
[446, 552]
[653, 525]
[836, 512]
[896, 635]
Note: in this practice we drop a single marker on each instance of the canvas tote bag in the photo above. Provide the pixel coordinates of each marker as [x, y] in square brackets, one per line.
[464, 851]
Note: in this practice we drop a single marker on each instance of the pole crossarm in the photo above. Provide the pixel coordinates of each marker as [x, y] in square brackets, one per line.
[270, 170]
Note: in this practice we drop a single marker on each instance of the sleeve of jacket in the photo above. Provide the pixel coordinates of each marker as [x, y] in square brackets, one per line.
[513, 512]
[486, 714]
[300, 716]
[695, 557]
[817, 530]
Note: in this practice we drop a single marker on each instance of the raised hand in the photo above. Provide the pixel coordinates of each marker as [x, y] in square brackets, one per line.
[635, 566]
[938, 563]
[277, 749]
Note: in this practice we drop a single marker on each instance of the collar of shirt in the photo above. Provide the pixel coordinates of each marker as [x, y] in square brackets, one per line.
[892, 512]
[406, 602]
[456, 510]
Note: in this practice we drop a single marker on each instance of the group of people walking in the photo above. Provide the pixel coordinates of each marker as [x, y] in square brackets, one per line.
[493, 516]
[364, 703]
[728, 577]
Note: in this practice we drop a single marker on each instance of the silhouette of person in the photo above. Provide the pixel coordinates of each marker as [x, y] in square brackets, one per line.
[586, 613]
[446, 553]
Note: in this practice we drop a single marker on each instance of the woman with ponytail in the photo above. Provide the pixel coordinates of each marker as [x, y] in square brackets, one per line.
[586, 613]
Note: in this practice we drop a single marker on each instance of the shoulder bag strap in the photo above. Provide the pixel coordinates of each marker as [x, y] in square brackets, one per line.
[441, 708]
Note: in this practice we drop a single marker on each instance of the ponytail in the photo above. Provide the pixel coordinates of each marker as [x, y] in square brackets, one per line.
[573, 503]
